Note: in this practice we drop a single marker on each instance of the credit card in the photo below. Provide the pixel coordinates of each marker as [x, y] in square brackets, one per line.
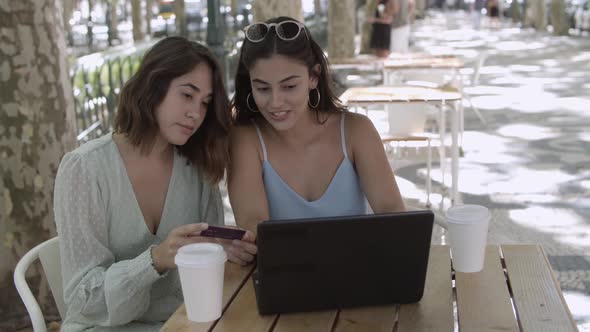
[224, 232]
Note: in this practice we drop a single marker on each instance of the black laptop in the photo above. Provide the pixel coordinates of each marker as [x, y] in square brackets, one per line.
[332, 263]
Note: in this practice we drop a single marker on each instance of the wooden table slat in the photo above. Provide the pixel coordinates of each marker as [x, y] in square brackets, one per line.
[319, 321]
[435, 311]
[483, 298]
[242, 314]
[234, 276]
[537, 297]
[374, 319]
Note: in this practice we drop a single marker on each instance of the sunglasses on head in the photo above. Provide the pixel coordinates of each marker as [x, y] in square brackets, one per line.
[286, 30]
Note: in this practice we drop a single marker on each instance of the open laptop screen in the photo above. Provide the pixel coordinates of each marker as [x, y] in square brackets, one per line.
[328, 263]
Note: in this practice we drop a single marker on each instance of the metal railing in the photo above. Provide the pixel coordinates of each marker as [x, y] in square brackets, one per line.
[97, 80]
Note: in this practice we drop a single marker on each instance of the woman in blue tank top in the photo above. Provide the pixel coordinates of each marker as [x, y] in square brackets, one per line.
[295, 152]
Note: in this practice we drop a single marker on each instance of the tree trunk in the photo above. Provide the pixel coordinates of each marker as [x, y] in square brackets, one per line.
[515, 13]
[89, 27]
[317, 6]
[263, 10]
[36, 128]
[540, 15]
[367, 28]
[149, 4]
[558, 18]
[113, 34]
[68, 10]
[421, 8]
[234, 8]
[136, 20]
[341, 32]
[180, 13]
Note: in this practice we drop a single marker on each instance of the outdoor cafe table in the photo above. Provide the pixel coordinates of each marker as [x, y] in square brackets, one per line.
[393, 68]
[516, 291]
[399, 61]
[362, 97]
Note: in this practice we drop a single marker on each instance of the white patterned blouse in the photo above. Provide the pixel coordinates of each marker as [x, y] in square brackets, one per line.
[108, 277]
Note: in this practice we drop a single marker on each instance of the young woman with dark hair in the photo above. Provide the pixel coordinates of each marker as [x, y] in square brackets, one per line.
[295, 151]
[125, 202]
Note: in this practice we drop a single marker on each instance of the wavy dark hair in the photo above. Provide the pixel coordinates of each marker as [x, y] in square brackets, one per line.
[303, 49]
[168, 59]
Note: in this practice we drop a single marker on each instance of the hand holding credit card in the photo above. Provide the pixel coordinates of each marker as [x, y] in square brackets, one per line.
[223, 232]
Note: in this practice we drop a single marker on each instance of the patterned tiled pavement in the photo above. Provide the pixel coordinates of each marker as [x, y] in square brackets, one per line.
[531, 163]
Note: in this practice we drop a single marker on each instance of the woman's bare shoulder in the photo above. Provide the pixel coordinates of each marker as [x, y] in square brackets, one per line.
[357, 123]
[241, 134]
[244, 143]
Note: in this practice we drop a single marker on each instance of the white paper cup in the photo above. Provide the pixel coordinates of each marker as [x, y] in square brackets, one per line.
[201, 267]
[468, 230]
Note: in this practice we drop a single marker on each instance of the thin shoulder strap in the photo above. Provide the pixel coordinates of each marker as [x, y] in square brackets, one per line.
[342, 139]
[261, 140]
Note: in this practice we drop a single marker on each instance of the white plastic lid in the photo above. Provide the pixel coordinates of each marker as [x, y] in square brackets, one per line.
[200, 254]
[467, 213]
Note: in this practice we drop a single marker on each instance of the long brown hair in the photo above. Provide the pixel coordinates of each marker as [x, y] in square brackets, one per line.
[168, 59]
[303, 49]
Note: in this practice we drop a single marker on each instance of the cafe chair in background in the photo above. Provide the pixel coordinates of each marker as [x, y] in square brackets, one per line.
[406, 130]
[474, 82]
[48, 253]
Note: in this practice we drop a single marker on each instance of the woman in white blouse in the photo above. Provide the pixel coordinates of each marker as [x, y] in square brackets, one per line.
[125, 202]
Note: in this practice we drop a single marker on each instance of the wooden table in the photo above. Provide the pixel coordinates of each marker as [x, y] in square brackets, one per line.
[366, 96]
[517, 275]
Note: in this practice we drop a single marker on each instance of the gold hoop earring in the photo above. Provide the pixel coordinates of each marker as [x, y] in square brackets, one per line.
[317, 103]
[248, 104]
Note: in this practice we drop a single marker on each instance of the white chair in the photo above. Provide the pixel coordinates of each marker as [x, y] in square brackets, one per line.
[473, 83]
[406, 127]
[48, 254]
[399, 140]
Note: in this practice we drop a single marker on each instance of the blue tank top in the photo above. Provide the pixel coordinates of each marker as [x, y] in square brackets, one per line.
[343, 197]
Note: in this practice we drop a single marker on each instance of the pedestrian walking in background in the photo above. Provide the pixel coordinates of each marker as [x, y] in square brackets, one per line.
[381, 23]
[493, 12]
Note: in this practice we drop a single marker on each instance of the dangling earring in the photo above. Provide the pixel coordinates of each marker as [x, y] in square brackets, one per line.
[248, 104]
[317, 103]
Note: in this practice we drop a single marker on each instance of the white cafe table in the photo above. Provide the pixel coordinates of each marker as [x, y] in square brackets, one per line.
[362, 97]
[393, 69]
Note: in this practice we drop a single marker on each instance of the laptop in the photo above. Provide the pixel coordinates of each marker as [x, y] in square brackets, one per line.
[339, 262]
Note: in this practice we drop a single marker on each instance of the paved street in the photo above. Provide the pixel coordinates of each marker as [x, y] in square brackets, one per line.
[531, 163]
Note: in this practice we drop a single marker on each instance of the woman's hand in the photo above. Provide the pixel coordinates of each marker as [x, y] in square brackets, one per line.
[240, 251]
[163, 254]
